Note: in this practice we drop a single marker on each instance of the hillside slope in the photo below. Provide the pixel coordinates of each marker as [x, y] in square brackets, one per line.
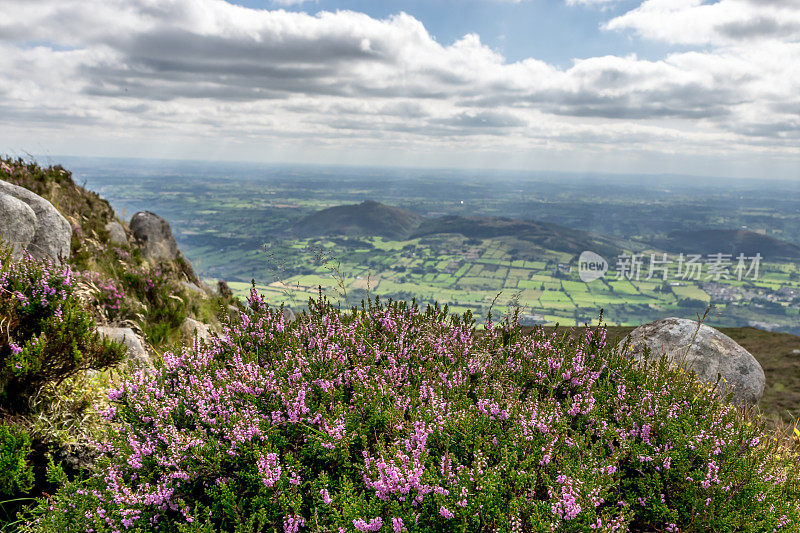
[546, 235]
[375, 219]
[732, 242]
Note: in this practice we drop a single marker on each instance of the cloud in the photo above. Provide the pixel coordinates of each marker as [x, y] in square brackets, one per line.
[725, 22]
[291, 2]
[592, 3]
[205, 69]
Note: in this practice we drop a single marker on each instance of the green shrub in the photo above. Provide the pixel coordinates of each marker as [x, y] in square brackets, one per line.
[163, 310]
[16, 475]
[391, 419]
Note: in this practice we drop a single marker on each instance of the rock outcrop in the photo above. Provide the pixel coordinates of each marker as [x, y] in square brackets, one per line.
[192, 327]
[116, 233]
[52, 234]
[193, 288]
[17, 223]
[288, 315]
[130, 339]
[154, 237]
[710, 354]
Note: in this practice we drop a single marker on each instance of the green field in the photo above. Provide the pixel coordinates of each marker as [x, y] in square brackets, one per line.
[482, 276]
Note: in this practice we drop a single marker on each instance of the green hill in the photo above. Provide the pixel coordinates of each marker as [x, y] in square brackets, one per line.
[375, 219]
[546, 235]
[367, 219]
[732, 242]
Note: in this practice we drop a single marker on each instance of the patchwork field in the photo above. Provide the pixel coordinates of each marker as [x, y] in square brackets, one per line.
[479, 276]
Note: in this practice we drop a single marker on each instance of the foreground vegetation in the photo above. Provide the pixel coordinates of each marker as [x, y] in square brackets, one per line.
[775, 352]
[394, 419]
[53, 364]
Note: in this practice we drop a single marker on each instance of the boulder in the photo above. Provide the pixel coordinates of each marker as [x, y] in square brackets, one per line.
[52, 234]
[17, 223]
[154, 236]
[130, 339]
[288, 315]
[191, 327]
[710, 354]
[195, 289]
[116, 233]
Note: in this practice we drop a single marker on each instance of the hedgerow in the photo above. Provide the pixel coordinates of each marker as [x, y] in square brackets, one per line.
[394, 419]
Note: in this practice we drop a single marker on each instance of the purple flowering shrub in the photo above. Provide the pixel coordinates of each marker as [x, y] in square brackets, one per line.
[156, 289]
[47, 337]
[103, 294]
[48, 334]
[392, 419]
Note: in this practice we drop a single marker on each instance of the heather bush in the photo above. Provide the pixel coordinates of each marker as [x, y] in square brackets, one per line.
[105, 295]
[162, 310]
[48, 335]
[394, 419]
[16, 475]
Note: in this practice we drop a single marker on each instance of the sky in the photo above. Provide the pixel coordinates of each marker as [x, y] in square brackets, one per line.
[654, 86]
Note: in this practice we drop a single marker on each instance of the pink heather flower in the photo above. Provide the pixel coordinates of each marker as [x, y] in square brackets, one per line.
[293, 524]
[373, 525]
[397, 525]
[270, 469]
[445, 512]
[325, 496]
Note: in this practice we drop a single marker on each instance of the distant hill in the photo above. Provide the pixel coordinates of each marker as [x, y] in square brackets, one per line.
[366, 218]
[374, 218]
[729, 242]
[546, 235]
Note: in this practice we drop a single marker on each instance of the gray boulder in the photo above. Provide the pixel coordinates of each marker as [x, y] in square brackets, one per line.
[154, 236]
[710, 354]
[17, 223]
[195, 289]
[191, 327]
[288, 315]
[130, 339]
[116, 233]
[52, 234]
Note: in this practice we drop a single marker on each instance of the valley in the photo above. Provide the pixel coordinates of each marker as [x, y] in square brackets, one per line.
[243, 222]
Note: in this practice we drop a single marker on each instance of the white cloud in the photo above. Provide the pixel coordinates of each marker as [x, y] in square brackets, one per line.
[723, 22]
[200, 71]
[592, 3]
[291, 2]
